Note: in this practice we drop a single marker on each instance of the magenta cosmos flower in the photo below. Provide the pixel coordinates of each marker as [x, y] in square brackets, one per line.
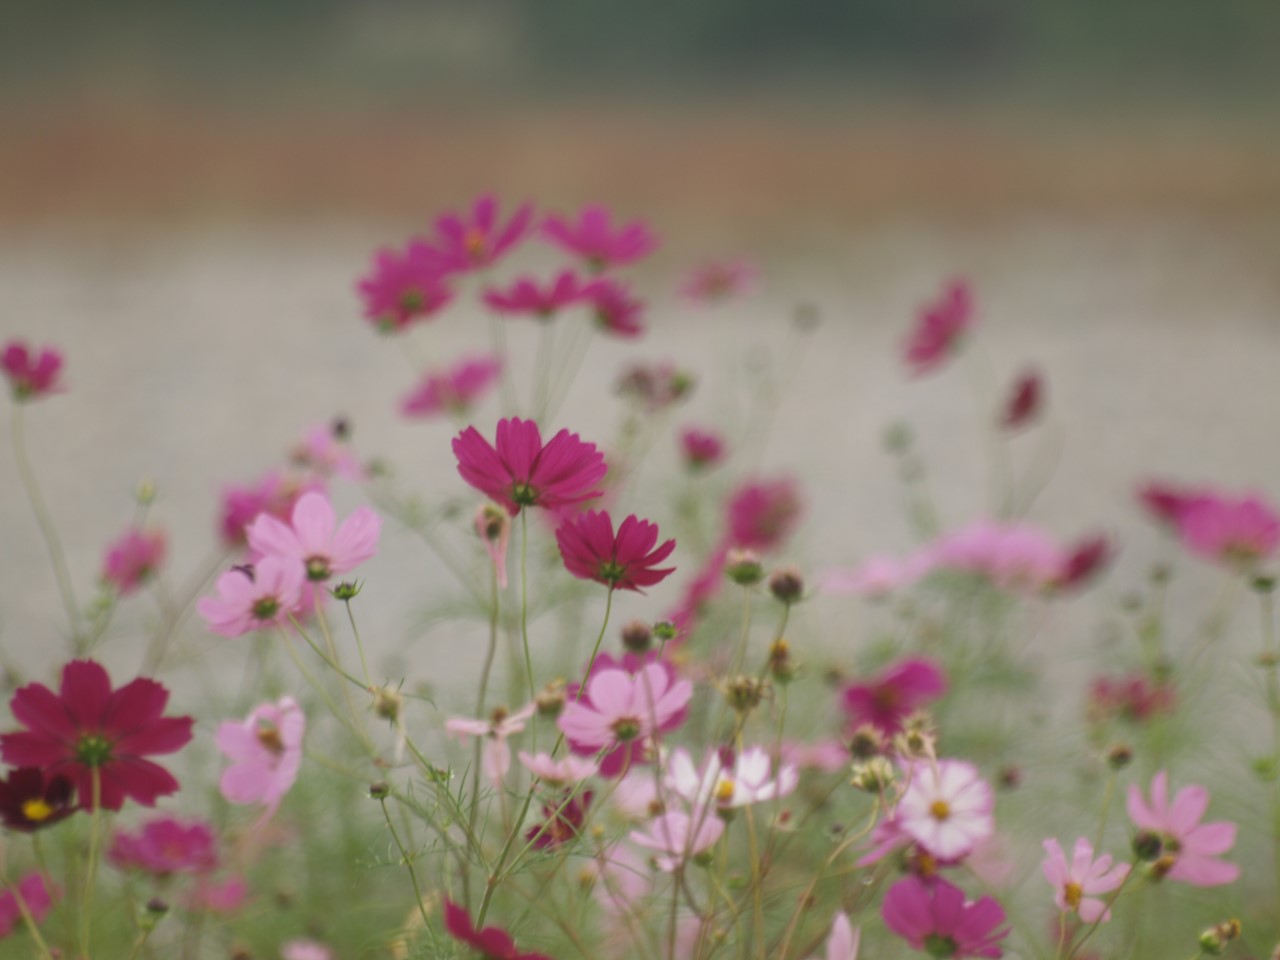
[523, 472]
[265, 750]
[314, 540]
[888, 698]
[38, 897]
[939, 328]
[596, 239]
[947, 808]
[1025, 401]
[31, 373]
[274, 493]
[934, 917]
[253, 597]
[492, 942]
[1235, 530]
[1165, 502]
[404, 286]
[165, 846]
[1083, 561]
[625, 561]
[718, 280]
[1075, 884]
[452, 391]
[132, 558]
[478, 239]
[1192, 847]
[88, 731]
[615, 310]
[527, 298]
[763, 514]
[701, 449]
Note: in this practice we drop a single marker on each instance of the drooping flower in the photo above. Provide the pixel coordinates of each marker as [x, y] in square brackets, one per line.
[885, 700]
[522, 471]
[728, 782]
[166, 845]
[558, 773]
[253, 597]
[600, 243]
[1075, 883]
[31, 374]
[314, 541]
[764, 513]
[1192, 846]
[494, 528]
[615, 309]
[625, 561]
[324, 449]
[939, 329]
[935, 917]
[527, 298]
[718, 280]
[496, 758]
[30, 800]
[562, 820]
[265, 750]
[1238, 531]
[701, 449]
[452, 391]
[304, 949]
[492, 942]
[275, 494]
[677, 836]
[88, 732]
[477, 240]
[405, 286]
[1025, 401]
[1083, 561]
[843, 942]
[132, 558]
[946, 808]
[38, 897]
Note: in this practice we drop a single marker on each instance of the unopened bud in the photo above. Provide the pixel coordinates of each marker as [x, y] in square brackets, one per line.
[781, 667]
[919, 737]
[1119, 756]
[145, 494]
[154, 911]
[379, 790]
[1214, 940]
[787, 585]
[637, 636]
[744, 693]
[1009, 778]
[550, 700]
[492, 523]
[664, 631]
[744, 568]
[866, 742]
[346, 591]
[1264, 583]
[387, 703]
[874, 775]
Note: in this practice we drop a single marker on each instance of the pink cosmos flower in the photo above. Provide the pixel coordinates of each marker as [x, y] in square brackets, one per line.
[31, 374]
[1193, 846]
[947, 808]
[701, 448]
[404, 286]
[492, 943]
[313, 540]
[526, 298]
[885, 700]
[1131, 697]
[494, 528]
[226, 896]
[727, 782]
[1013, 556]
[253, 597]
[37, 896]
[275, 494]
[622, 880]
[1075, 883]
[935, 917]
[825, 756]
[625, 561]
[843, 942]
[265, 750]
[305, 950]
[524, 472]
[500, 725]
[719, 280]
[1025, 402]
[477, 240]
[1165, 502]
[596, 240]
[323, 448]
[453, 391]
[558, 773]
[616, 311]
[763, 514]
[876, 577]
[635, 795]
[699, 593]
[1238, 531]
[132, 558]
[166, 845]
[939, 328]
[676, 837]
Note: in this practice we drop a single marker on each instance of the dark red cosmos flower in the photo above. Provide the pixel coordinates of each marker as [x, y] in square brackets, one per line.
[562, 820]
[88, 727]
[30, 801]
[493, 943]
[625, 561]
[1025, 401]
[1084, 560]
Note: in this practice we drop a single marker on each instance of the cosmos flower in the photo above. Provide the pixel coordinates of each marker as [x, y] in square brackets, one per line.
[876, 577]
[166, 845]
[452, 391]
[405, 286]
[701, 449]
[324, 449]
[939, 329]
[718, 280]
[627, 560]
[596, 239]
[764, 513]
[727, 782]
[265, 750]
[495, 731]
[253, 597]
[946, 808]
[493, 526]
[493, 943]
[1192, 846]
[476, 240]
[527, 298]
[1238, 531]
[562, 820]
[677, 836]
[314, 541]
[1075, 883]
[843, 942]
[303, 949]
[274, 493]
[885, 700]
[31, 801]
[615, 309]
[31, 374]
[558, 773]
[132, 558]
[935, 917]
[38, 897]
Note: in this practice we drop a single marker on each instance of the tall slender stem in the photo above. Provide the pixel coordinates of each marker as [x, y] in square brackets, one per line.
[408, 862]
[524, 599]
[595, 651]
[91, 869]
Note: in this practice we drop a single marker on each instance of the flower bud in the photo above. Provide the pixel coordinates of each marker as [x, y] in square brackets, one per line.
[1119, 756]
[866, 742]
[787, 585]
[874, 775]
[346, 591]
[145, 494]
[781, 667]
[1264, 583]
[550, 700]
[492, 523]
[664, 631]
[387, 703]
[918, 738]
[744, 693]
[379, 790]
[1214, 940]
[154, 911]
[637, 636]
[1009, 778]
[743, 567]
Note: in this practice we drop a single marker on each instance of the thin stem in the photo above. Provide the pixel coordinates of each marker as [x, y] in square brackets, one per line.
[407, 860]
[480, 698]
[1106, 810]
[91, 869]
[364, 664]
[30, 922]
[524, 600]
[595, 651]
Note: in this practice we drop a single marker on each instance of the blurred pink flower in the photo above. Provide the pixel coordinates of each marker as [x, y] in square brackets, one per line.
[1235, 530]
[305, 950]
[600, 243]
[622, 709]
[677, 837]
[935, 917]
[1025, 401]
[627, 560]
[616, 311]
[493, 526]
[265, 750]
[132, 558]
[526, 298]
[477, 240]
[844, 940]
[558, 773]
[701, 448]
[453, 391]
[253, 597]
[825, 756]
[1075, 883]
[404, 286]
[1083, 561]
[562, 820]
[885, 700]
[37, 896]
[763, 514]
[314, 541]
[655, 386]
[324, 450]
[493, 943]
[939, 328]
[1165, 502]
[876, 577]
[31, 374]
[495, 731]
[225, 896]
[166, 845]
[718, 280]
[275, 494]
[1193, 846]
[1131, 697]
[947, 808]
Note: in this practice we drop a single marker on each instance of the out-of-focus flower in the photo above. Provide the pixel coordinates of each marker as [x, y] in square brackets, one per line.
[1076, 883]
[323, 448]
[492, 942]
[132, 558]
[305, 950]
[527, 298]
[31, 374]
[885, 700]
[947, 808]
[843, 942]
[453, 391]
[522, 471]
[701, 449]
[478, 239]
[1193, 846]
[934, 917]
[275, 494]
[38, 897]
[1083, 561]
[655, 386]
[763, 514]
[596, 239]
[89, 733]
[30, 800]
[627, 560]
[1165, 502]
[313, 540]
[253, 597]
[166, 845]
[1132, 697]
[876, 577]
[494, 528]
[495, 731]
[265, 750]
[729, 782]
[562, 820]
[404, 286]
[825, 756]
[225, 896]
[1238, 531]
[939, 329]
[558, 773]
[615, 310]
[719, 280]
[676, 837]
[1025, 401]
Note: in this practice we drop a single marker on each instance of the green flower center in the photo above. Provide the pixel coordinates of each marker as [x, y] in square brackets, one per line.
[266, 608]
[626, 728]
[318, 568]
[412, 300]
[940, 947]
[612, 571]
[524, 494]
[93, 750]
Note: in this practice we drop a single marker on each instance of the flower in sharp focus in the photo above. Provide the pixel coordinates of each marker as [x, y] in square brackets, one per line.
[452, 391]
[495, 731]
[38, 897]
[1193, 846]
[31, 373]
[493, 943]
[677, 836]
[521, 471]
[314, 540]
[527, 298]
[935, 917]
[404, 286]
[265, 750]
[842, 944]
[88, 732]
[939, 329]
[627, 560]
[166, 845]
[1239, 531]
[947, 808]
[1025, 401]
[30, 800]
[478, 239]
[253, 597]
[718, 280]
[764, 514]
[701, 449]
[132, 558]
[1076, 883]
[616, 311]
[600, 243]
[887, 699]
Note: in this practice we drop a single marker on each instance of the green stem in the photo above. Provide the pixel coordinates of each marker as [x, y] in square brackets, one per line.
[408, 862]
[524, 600]
[364, 663]
[91, 869]
[30, 922]
[595, 651]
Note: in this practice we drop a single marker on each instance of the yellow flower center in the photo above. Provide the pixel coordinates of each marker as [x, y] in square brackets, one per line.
[36, 810]
[475, 241]
[724, 791]
[1072, 893]
[939, 810]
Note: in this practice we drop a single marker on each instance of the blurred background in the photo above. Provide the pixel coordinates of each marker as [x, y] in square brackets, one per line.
[188, 191]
